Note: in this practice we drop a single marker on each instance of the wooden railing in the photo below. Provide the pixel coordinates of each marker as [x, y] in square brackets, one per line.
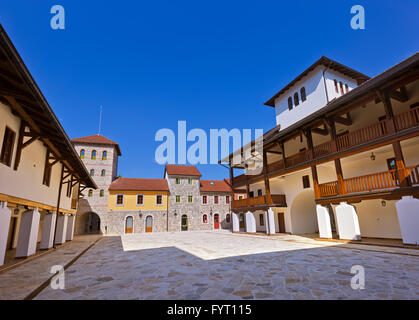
[277, 199]
[402, 121]
[372, 182]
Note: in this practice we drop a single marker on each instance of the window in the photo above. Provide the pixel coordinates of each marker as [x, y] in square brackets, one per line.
[177, 199]
[102, 193]
[296, 99]
[204, 199]
[190, 181]
[140, 199]
[251, 194]
[103, 173]
[47, 171]
[90, 193]
[290, 105]
[346, 88]
[215, 199]
[7, 148]
[94, 154]
[228, 218]
[190, 199]
[261, 221]
[341, 88]
[205, 218]
[68, 192]
[120, 200]
[391, 164]
[303, 94]
[159, 199]
[306, 182]
[240, 197]
[336, 86]
[104, 155]
[259, 192]
[82, 153]
[177, 181]
[92, 172]
[227, 199]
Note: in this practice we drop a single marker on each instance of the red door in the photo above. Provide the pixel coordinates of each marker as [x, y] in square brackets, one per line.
[216, 221]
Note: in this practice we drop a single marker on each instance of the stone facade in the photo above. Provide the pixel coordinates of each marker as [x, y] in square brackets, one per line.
[211, 209]
[96, 203]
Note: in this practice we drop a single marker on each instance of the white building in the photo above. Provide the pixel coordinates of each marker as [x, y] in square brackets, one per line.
[40, 173]
[342, 159]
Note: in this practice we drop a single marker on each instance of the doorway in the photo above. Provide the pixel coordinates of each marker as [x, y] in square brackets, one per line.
[12, 233]
[128, 225]
[216, 221]
[149, 224]
[241, 221]
[281, 222]
[184, 223]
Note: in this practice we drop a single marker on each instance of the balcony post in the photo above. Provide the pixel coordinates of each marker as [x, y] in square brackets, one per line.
[401, 167]
[309, 138]
[385, 98]
[265, 176]
[315, 182]
[339, 174]
[283, 154]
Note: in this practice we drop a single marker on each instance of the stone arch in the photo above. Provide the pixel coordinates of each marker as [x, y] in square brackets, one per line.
[303, 213]
[87, 223]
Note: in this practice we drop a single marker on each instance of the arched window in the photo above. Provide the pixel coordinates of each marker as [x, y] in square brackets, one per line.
[92, 172]
[290, 103]
[205, 218]
[102, 193]
[303, 94]
[104, 155]
[94, 154]
[346, 88]
[103, 172]
[336, 86]
[228, 218]
[90, 192]
[296, 99]
[82, 153]
[341, 87]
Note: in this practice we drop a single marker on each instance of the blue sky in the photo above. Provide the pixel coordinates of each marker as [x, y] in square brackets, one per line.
[211, 63]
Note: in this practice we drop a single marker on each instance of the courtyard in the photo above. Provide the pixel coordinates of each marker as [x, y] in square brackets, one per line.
[221, 265]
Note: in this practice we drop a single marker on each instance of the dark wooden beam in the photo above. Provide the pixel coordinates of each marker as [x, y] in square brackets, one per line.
[323, 132]
[345, 121]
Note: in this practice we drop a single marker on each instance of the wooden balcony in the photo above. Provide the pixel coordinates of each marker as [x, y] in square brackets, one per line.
[359, 137]
[371, 183]
[278, 200]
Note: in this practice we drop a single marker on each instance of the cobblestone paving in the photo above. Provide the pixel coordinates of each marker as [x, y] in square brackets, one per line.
[219, 265]
[17, 283]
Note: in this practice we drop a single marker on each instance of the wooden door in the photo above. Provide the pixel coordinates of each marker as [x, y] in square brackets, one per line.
[241, 220]
[281, 222]
[11, 235]
[184, 223]
[216, 221]
[128, 225]
[149, 224]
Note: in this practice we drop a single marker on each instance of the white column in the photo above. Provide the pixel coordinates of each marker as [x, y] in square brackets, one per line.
[61, 229]
[48, 228]
[28, 233]
[408, 213]
[347, 221]
[5, 214]
[236, 223]
[323, 220]
[270, 221]
[250, 222]
[70, 228]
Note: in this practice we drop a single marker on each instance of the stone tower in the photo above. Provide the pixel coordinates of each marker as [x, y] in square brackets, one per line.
[100, 156]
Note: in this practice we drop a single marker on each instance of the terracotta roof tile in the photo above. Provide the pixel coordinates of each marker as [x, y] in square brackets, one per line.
[215, 186]
[136, 184]
[181, 170]
[97, 139]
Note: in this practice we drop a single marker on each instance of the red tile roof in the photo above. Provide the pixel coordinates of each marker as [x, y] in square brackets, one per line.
[136, 184]
[97, 139]
[180, 170]
[215, 186]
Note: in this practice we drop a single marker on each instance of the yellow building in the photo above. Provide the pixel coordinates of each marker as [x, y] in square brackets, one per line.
[141, 203]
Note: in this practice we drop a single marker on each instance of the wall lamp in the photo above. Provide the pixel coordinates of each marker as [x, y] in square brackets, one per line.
[175, 213]
[372, 156]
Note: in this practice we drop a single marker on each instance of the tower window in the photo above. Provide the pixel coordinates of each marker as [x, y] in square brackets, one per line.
[103, 173]
[102, 193]
[92, 172]
[290, 103]
[104, 155]
[303, 94]
[296, 99]
[90, 193]
[94, 155]
[82, 153]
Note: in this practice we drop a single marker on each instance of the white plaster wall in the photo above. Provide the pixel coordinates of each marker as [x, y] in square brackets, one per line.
[26, 182]
[330, 76]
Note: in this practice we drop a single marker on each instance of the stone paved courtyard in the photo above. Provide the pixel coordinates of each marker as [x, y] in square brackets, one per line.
[221, 265]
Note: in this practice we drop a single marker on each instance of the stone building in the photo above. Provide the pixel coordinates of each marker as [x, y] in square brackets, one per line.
[100, 156]
[216, 203]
